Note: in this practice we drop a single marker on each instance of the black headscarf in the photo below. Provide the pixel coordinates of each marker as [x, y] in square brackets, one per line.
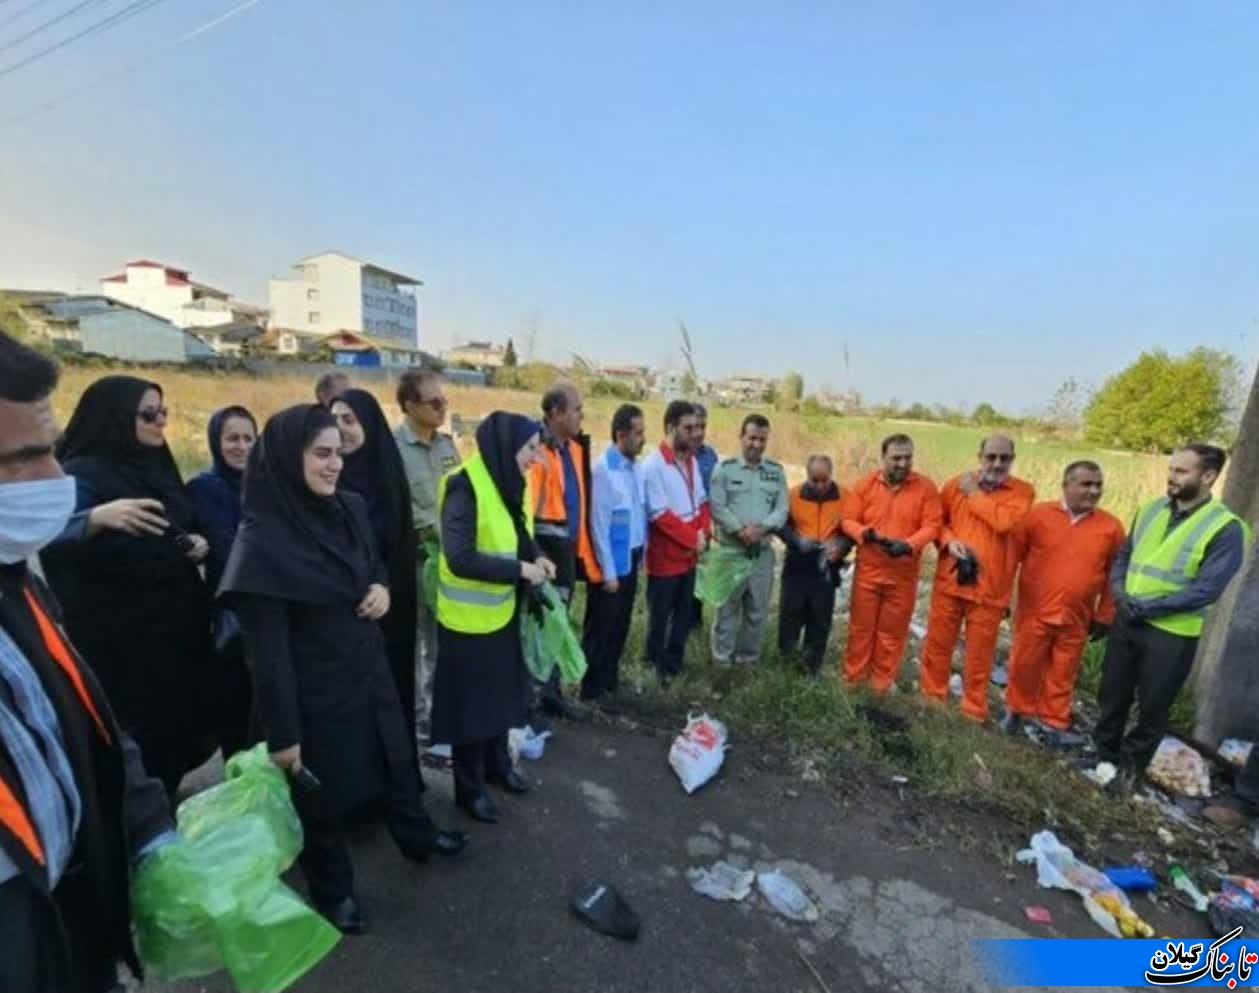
[376, 473]
[214, 437]
[100, 446]
[499, 437]
[293, 543]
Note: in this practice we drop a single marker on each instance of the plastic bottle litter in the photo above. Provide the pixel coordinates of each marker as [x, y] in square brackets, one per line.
[1058, 868]
[786, 896]
[1133, 878]
[1235, 751]
[1102, 773]
[1179, 769]
[1182, 882]
[698, 752]
[721, 881]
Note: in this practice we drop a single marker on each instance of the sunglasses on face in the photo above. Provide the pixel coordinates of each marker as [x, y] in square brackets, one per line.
[151, 415]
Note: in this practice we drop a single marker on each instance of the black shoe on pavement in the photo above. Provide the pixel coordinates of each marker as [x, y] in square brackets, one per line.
[442, 843]
[513, 782]
[480, 808]
[1010, 724]
[558, 707]
[345, 916]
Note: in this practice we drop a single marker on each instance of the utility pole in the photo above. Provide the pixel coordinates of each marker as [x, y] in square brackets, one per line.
[1226, 676]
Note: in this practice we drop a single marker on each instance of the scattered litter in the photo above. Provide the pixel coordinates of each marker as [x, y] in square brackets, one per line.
[999, 676]
[791, 794]
[900, 780]
[983, 778]
[721, 881]
[785, 895]
[1133, 878]
[919, 631]
[1177, 768]
[1058, 868]
[526, 743]
[1171, 811]
[697, 753]
[810, 772]
[600, 907]
[1038, 915]
[1182, 882]
[1235, 751]
[1166, 837]
[1142, 858]
[1102, 773]
[955, 684]
[1237, 903]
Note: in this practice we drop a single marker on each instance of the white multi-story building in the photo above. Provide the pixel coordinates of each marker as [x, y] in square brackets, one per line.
[170, 293]
[333, 292]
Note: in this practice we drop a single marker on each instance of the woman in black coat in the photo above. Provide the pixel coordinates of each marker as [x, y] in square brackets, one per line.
[215, 498]
[481, 688]
[135, 604]
[374, 470]
[309, 588]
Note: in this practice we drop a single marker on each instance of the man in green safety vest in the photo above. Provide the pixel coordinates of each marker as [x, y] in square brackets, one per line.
[1179, 556]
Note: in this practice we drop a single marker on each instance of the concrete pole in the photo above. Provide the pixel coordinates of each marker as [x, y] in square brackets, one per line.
[1226, 677]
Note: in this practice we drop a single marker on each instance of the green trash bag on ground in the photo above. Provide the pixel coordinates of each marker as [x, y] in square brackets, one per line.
[547, 636]
[426, 574]
[214, 900]
[723, 572]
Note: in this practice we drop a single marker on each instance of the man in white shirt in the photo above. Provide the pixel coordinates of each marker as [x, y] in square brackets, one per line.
[618, 531]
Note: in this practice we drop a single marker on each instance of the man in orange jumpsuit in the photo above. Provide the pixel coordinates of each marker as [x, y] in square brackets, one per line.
[1065, 548]
[892, 515]
[975, 572]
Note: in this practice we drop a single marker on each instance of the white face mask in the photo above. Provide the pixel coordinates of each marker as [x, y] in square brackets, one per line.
[32, 514]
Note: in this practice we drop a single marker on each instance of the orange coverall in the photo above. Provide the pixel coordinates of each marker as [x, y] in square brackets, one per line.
[985, 522]
[1063, 588]
[884, 590]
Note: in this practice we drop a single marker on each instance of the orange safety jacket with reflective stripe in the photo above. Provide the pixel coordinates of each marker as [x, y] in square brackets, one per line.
[14, 818]
[546, 482]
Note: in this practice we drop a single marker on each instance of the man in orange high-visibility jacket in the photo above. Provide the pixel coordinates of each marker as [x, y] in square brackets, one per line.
[559, 483]
[1065, 548]
[975, 572]
[892, 514]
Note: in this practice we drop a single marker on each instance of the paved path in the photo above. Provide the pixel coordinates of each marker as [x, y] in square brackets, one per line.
[896, 914]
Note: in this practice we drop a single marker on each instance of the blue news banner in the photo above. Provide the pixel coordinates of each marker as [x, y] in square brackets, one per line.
[1226, 961]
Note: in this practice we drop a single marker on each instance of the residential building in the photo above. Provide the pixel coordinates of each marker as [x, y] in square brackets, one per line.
[333, 292]
[233, 338]
[747, 389]
[98, 325]
[670, 384]
[171, 294]
[478, 354]
[348, 348]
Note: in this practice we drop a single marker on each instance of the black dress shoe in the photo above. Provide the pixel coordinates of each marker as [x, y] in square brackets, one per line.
[480, 808]
[345, 916]
[441, 843]
[512, 782]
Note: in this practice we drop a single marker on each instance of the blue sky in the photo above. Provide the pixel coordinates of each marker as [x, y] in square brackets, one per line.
[981, 198]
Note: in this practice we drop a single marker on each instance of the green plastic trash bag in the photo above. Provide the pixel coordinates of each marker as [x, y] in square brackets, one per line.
[547, 637]
[723, 572]
[426, 574]
[214, 900]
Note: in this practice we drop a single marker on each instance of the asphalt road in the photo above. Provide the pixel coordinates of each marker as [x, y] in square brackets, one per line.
[898, 906]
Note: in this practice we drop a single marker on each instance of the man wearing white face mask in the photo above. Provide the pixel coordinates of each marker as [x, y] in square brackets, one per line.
[73, 790]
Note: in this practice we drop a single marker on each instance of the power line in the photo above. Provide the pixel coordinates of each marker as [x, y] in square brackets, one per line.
[19, 13]
[131, 67]
[100, 27]
[41, 28]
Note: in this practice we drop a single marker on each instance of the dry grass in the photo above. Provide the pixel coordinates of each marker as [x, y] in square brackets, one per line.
[853, 442]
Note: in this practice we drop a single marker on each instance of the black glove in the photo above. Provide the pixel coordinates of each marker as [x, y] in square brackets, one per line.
[898, 548]
[845, 546]
[1098, 631]
[869, 534]
[967, 571]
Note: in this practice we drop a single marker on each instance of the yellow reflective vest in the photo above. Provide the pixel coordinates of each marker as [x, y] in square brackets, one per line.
[473, 606]
[1163, 563]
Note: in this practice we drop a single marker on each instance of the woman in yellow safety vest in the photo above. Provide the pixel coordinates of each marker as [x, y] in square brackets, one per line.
[487, 552]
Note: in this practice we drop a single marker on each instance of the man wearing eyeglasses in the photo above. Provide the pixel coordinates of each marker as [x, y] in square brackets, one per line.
[427, 454]
[974, 572]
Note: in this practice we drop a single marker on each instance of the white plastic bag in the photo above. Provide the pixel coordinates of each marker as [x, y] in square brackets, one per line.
[1234, 751]
[1177, 768]
[1058, 868]
[786, 896]
[697, 753]
[721, 881]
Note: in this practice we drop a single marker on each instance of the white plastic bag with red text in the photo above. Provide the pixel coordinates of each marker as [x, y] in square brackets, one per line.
[697, 753]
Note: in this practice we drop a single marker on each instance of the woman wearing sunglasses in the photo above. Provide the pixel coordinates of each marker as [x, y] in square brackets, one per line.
[135, 603]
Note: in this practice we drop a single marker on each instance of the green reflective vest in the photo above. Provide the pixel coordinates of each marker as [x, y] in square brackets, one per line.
[1165, 563]
[471, 606]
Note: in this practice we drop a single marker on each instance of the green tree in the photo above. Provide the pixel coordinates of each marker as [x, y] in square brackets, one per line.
[509, 355]
[1161, 401]
[986, 416]
[790, 392]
